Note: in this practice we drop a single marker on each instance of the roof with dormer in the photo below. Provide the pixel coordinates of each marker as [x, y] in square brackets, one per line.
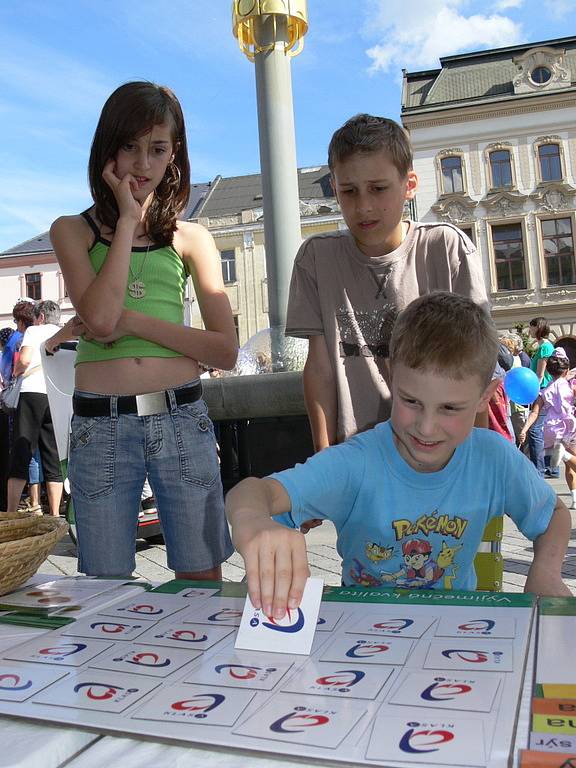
[483, 76]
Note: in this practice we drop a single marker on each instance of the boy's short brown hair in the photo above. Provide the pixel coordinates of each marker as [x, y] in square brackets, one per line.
[367, 133]
[448, 334]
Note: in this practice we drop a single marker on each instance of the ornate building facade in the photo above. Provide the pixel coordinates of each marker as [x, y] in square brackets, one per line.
[494, 137]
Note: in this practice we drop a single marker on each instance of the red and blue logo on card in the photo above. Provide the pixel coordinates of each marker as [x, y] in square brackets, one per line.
[296, 619]
[10, 682]
[239, 671]
[364, 649]
[101, 691]
[442, 690]
[419, 739]
[60, 652]
[225, 614]
[144, 610]
[478, 625]
[471, 656]
[112, 629]
[297, 721]
[394, 625]
[342, 679]
[184, 636]
[146, 659]
[200, 704]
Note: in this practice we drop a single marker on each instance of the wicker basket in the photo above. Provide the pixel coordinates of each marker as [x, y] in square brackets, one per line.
[25, 542]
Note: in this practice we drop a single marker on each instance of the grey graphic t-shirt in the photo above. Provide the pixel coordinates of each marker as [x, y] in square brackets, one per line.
[353, 300]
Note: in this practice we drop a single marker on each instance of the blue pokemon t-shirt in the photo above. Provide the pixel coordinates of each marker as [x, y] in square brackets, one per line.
[401, 528]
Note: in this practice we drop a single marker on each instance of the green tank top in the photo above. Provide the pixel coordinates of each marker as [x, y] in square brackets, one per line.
[164, 276]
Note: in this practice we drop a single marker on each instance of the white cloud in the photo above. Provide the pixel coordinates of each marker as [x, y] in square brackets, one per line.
[503, 5]
[437, 28]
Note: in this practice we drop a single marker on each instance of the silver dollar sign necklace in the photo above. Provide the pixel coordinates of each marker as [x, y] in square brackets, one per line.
[136, 287]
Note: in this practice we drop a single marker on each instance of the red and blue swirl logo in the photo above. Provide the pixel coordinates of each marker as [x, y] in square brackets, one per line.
[225, 614]
[468, 655]
[343, 679]
[394, 625]
[61, 651]
[444, 691]
[184, 636]
[200, 704]
[422, 741]
[112, 629]
[297, 722]
[364, 650]
[147, 659]
[239, 671]
[478, 625]
[10, 682]
[295, 617]
[101, 691]
[144, 609]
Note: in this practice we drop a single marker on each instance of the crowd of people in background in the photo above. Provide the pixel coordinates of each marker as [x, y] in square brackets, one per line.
[28, 452]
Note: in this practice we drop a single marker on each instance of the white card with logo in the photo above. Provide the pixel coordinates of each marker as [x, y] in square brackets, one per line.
[478, 655]
[145, 660]
[240, 670]
[105, 628]
[440, 740]
[293, 633]
[393, 625]
[196, 704]
[373, 650]
[97, 690]
[467, 626]
[197, 637]
[57, 649]
[341, 680]
[151, 606]
[18, 681]
[217, 611]
[470, 693]
[297, 719]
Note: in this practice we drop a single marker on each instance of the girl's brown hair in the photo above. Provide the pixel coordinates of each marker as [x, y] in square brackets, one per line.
[130, 112]
[542, 327]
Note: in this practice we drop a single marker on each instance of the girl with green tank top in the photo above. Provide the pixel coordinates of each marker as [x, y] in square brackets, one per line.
[137, 403]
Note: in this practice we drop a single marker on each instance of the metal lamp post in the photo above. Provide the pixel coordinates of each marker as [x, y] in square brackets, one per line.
[270, 33]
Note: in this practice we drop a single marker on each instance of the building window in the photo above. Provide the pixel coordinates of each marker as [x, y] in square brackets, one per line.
[540, 75]
[34, 286]
[452, 180]
[228, 259]
[237, 327]
[550, 163]
[508, 248]
[558, 244]
[501, 168]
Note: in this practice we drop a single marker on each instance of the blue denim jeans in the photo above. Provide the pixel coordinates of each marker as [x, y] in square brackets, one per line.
[536, 444]
[109, 459]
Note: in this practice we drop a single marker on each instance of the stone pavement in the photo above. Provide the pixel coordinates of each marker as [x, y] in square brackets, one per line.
[324, 560]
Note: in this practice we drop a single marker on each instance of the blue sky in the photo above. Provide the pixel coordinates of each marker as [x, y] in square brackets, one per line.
[60, 60]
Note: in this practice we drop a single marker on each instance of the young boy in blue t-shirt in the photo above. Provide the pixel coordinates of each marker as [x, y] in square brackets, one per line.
[410, 498]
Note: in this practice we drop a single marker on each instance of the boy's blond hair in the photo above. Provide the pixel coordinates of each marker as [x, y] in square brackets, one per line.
[367, 133]
[448, 334]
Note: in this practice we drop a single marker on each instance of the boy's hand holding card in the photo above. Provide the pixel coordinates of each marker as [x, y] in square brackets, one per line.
[293, 633]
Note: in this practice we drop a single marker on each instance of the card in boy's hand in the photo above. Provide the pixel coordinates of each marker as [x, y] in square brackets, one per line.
[293, 633]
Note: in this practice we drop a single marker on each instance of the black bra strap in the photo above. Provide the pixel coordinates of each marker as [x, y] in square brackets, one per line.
[92, 224]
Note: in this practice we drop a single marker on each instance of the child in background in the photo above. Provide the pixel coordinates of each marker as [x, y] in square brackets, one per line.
[556, 405]
[410, 498]
[138, 409]
[348, 287]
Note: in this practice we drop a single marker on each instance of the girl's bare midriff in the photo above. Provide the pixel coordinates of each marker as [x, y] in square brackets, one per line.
[135, 375]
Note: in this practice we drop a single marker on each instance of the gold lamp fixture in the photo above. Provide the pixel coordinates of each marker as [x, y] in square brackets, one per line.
[245, 14]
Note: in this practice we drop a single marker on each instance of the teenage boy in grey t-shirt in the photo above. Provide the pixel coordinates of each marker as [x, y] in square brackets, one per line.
[348, 287]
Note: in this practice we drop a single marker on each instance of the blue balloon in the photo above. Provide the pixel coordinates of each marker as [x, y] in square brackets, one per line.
[522, 385]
